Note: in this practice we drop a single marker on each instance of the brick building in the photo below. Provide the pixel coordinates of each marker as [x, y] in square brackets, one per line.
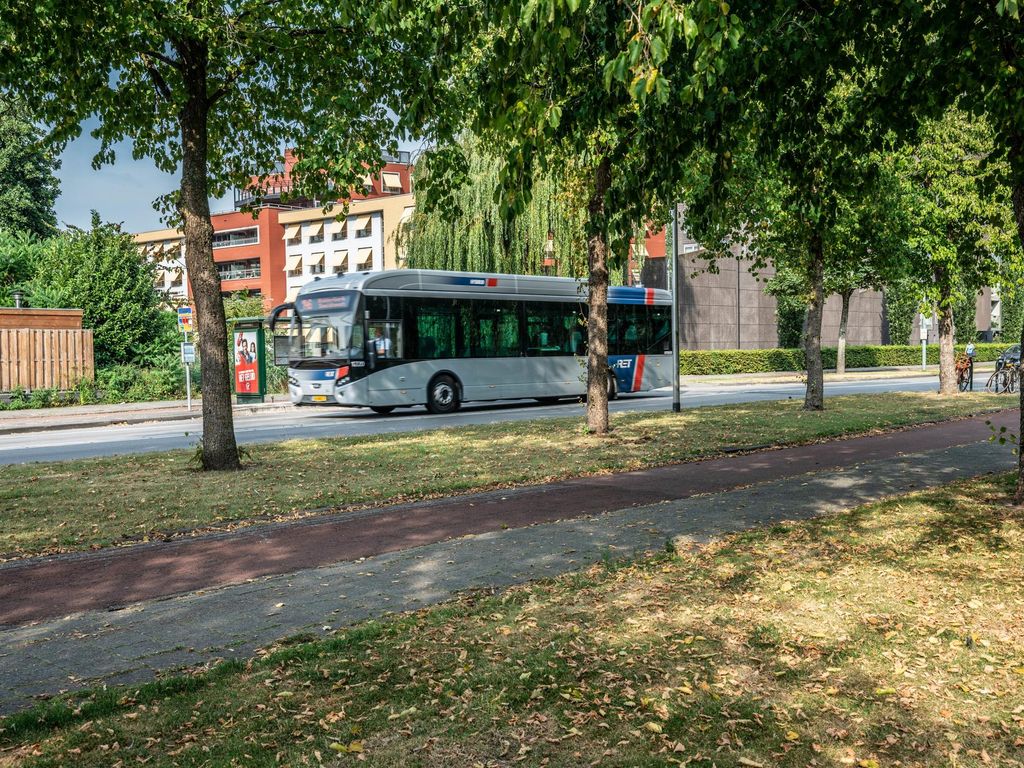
[251, 249]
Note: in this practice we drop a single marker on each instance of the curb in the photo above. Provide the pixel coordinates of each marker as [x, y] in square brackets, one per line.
[123, 418]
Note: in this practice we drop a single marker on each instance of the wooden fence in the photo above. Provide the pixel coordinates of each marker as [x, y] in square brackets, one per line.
[45, 358]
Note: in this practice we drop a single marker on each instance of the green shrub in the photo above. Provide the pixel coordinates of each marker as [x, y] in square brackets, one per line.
[86, 392]
[42, 398]
[726, 361]
[132, 384]
[18, 400]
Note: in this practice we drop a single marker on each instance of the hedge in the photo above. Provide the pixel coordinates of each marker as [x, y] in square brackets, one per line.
[723, 361]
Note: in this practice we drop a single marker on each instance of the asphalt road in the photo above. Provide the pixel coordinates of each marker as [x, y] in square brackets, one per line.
[287, 423]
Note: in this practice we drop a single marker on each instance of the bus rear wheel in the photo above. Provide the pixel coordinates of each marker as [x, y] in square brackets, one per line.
[382, 409]
[443, 395]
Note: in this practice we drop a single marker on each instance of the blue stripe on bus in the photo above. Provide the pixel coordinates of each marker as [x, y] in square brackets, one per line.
[316, 374]
[479, 282]
[622, 295]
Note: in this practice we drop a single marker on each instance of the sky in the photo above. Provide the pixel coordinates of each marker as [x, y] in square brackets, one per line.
[123, 192]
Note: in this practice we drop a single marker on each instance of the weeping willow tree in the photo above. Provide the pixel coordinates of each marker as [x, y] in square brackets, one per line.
[469, 233]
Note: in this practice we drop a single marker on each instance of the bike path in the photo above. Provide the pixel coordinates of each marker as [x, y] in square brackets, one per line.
[37, 589]
[139, 642]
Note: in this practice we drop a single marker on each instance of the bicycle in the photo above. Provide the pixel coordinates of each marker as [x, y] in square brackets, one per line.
[964, 370]
[1004, 380]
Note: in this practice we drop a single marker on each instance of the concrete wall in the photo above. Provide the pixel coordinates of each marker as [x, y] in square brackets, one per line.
[864, 325]
[709, 315]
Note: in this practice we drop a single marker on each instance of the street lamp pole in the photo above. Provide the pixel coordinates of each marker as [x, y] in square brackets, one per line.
[674, 289]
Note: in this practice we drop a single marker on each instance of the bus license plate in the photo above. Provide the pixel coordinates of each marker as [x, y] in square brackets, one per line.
[319, 398]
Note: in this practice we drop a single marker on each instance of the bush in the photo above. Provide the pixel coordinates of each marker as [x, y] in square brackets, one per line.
[132, 384]
[726, 361]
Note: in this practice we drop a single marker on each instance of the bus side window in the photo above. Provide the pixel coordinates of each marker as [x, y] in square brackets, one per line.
[547, 332]
[435, 329]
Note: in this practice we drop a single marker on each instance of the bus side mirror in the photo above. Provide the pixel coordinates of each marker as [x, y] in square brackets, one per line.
[283, 346]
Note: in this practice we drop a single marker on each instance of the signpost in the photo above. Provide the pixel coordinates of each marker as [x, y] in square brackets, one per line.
[674, 289]
[926, 323]
[185, 320]
[188, 350]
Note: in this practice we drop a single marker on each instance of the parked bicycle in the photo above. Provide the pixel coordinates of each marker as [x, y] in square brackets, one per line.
[964, 372]
[1005, 379]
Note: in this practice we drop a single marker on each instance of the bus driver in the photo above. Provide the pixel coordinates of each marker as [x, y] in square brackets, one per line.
[381, 343]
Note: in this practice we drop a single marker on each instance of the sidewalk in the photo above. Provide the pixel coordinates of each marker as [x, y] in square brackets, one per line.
[83, 416]
[122, 616]
[78, 416]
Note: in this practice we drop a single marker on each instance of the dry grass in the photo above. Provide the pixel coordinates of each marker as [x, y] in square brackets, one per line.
[65, 506]
[890, 635]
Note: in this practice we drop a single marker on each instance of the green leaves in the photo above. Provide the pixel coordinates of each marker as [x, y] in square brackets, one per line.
[1008, 8]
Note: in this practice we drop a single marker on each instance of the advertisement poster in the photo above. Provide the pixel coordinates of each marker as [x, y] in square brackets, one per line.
[247, 363]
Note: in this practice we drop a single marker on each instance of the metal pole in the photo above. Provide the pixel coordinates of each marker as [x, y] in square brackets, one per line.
[674, 288]
[188, 381]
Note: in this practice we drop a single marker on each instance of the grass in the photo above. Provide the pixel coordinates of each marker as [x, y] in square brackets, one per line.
[93, 503]
[889, 635]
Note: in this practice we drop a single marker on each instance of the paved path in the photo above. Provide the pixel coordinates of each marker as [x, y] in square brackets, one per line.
[34, 590]
[135, 643]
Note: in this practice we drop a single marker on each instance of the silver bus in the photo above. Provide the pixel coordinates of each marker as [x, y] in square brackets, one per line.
[409, 337]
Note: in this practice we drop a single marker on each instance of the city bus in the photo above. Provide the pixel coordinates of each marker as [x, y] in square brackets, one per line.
[411, 337]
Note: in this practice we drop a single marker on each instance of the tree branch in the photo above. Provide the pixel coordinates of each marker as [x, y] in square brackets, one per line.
[158, 80]
[225, 86]
[165, 59]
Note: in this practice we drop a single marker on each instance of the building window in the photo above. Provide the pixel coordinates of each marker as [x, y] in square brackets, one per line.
[316, 238]
[391, 183]
[341, 234]
[247, 236]
[294, 240]
[316, 264]
[239, 270]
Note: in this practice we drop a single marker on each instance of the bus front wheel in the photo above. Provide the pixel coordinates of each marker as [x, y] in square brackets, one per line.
[443, 395]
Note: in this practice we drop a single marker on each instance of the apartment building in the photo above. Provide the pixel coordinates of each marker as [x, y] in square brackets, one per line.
[320, 242]
[268, 247]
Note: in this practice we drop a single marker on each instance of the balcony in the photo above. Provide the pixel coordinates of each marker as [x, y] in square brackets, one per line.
[240, 270]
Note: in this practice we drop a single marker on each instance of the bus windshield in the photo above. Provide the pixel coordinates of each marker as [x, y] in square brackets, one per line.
[328, 336]
[329, 327]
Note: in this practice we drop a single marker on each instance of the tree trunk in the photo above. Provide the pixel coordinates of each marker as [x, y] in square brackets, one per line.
[947, 362]
[814, 398]
[844, 317]
[597, 321]
[1017, 163]
[219, 448]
